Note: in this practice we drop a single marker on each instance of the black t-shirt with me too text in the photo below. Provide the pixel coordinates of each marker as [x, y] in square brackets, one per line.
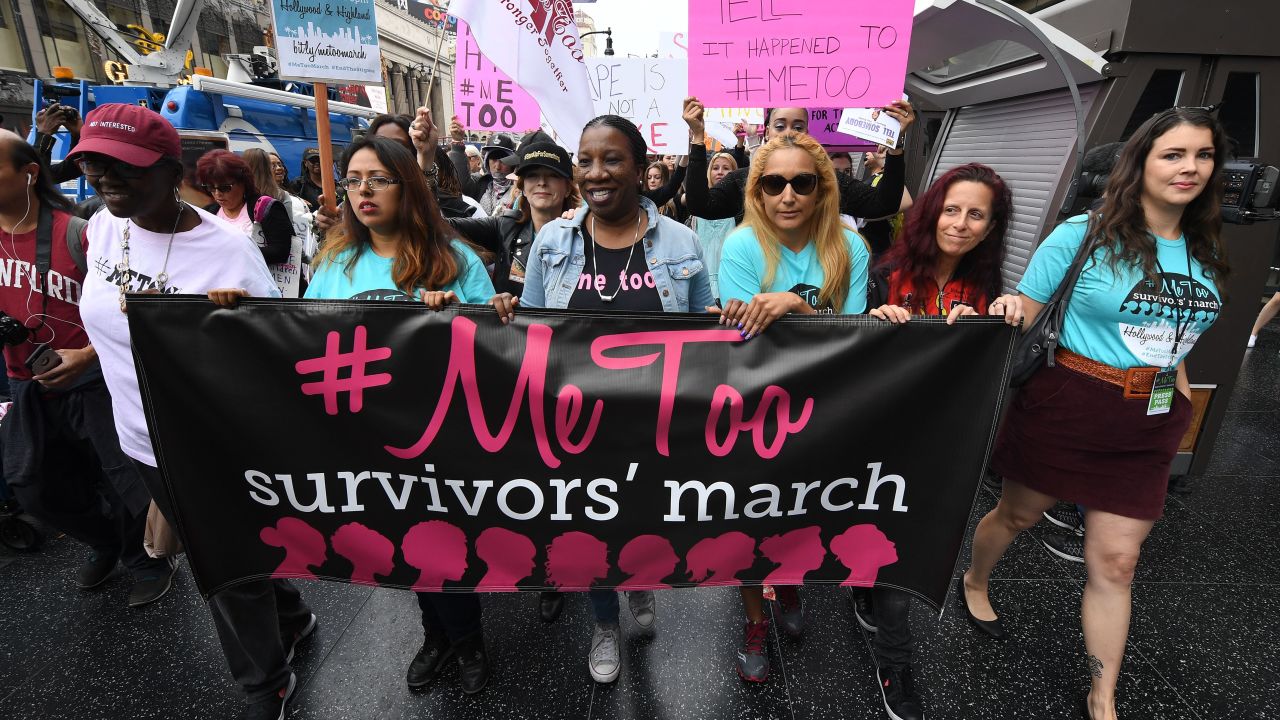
[635, 288]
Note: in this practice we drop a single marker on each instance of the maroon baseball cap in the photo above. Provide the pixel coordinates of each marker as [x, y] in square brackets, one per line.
[130, 133]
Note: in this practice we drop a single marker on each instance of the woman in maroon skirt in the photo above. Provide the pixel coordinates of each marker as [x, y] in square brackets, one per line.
[1101, 428]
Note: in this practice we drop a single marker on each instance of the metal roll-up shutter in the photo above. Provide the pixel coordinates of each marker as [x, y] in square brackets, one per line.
[1029, 140]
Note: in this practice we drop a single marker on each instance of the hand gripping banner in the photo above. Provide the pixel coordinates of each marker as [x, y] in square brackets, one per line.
[384, 444]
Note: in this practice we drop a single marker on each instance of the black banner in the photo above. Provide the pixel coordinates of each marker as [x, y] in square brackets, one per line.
[385, 444]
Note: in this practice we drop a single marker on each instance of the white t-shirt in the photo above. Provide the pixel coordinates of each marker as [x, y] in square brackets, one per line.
[211, 255]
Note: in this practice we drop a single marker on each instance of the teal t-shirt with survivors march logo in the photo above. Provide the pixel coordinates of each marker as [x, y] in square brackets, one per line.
[742, 268]
[371, 279]
[1123, 319]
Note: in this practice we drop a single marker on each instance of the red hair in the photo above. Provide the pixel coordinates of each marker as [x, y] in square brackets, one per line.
[916, 252]
[226, 166]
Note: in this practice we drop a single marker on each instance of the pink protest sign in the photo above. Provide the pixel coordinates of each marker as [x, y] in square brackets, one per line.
[822, 126]
[789, 53]
[484, 97]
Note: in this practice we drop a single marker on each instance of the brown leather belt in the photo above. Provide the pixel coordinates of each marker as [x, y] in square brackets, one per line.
[1136, 382]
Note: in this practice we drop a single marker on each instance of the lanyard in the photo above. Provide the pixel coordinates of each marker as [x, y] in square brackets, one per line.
[1179, 328]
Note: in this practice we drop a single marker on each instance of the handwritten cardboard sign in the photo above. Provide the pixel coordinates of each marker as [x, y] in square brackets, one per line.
[870, 124]
[335, 40]
[484, 97]
[789, 53]
[824, 127]
[649, 93]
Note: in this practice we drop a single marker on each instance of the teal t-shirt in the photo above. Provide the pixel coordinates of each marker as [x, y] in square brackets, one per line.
[370, 278]
[1121, 318]
[742, 271]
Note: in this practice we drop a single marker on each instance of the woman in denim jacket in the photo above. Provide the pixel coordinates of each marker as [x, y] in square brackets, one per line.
[619, 255]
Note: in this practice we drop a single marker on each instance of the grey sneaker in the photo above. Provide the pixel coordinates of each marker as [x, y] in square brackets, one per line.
[153, 584]
[642, 607]
[790, 610]
[753, 659]
[1065, 516]
[1068, 546]
[605, 659]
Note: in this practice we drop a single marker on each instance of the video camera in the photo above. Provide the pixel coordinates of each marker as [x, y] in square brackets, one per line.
[12, 332]
[1251, 193]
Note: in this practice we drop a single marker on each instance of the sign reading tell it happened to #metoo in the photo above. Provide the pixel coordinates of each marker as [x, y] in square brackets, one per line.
[775, 53]
[484, 97]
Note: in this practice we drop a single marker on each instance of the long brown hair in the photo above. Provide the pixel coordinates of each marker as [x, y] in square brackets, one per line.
[259, 163]
[424, 257]
[825, 227]
[1122, 226]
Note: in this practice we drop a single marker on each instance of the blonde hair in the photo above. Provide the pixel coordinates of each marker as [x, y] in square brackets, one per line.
[825, 228]
[720, 156]
[572, 198]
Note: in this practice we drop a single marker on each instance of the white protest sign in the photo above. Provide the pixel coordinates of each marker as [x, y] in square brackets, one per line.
[377, 98]
[720, 122]
[649, 93]
[872, 124]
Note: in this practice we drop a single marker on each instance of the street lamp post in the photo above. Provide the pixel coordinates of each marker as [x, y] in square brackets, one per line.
[608, 42]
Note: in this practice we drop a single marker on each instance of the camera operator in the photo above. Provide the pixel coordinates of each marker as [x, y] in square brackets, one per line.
[61, 453]
[48, 120]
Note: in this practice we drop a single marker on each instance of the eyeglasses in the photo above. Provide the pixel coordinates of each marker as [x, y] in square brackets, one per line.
[99, 166]
[224, 189]
[376, 183]
[802, 184]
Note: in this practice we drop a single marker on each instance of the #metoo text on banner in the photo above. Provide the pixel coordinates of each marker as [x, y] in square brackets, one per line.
[334, 40]
[565, 450]
[649, 93]
[484, 97]
[773, 53]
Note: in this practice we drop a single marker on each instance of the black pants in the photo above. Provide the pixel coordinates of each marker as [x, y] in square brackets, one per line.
[81, 473]
[455, 615]
[251, 618]
[893, 644]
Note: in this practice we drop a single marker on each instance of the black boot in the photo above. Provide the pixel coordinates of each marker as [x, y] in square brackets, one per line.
[473, 663]
[429, 661]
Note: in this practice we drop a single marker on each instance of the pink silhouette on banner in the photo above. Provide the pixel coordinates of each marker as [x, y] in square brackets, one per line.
[864, 549]
[797, 553]
[718, 560]
[439, 550]
[648, 559]
[509, 557]
[369, 552]
[575, 560]
[304, 547]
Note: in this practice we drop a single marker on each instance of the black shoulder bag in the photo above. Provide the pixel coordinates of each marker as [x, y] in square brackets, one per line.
[1036, 346]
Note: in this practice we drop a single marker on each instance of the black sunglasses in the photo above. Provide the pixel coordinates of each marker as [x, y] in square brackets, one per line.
[211, 189]
[802, 184]
[97, 166]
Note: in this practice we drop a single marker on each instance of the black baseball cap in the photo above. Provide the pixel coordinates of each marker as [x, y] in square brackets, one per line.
[547, 155]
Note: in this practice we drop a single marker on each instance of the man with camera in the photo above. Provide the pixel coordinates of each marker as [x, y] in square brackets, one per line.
[48, 120]
[61, 455]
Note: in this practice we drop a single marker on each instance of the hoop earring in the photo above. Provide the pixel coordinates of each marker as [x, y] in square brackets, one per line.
[177, 195]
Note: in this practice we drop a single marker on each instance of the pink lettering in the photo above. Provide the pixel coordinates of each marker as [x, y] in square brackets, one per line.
[531, 382]
[672, 343]
[756, 424]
